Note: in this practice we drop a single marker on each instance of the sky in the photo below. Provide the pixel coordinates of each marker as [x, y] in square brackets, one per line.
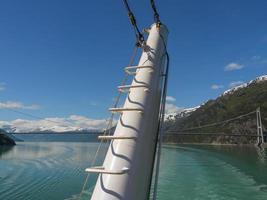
[63, 59]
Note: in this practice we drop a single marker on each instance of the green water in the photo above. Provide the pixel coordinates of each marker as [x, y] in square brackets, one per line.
[55, 171]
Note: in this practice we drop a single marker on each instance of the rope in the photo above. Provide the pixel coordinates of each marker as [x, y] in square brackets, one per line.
[139, 36]
[35, 117]
[161, 119]
[216, 123]
[156, 14]
[110, 123]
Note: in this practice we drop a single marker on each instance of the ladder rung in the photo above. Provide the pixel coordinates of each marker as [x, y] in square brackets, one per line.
[124, 88]
[112, 137]
[102, 170]
[128, 69]
[121, 110]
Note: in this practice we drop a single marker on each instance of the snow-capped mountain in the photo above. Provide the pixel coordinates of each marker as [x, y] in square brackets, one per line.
[257, 80]
[181, 113]
[73, 123]
[53, 129]
[188, 111]
[237, 106]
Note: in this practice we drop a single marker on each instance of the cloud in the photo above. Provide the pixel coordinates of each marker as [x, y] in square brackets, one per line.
[235, 83]
[171, 108]
[233, 66]
[216, 87]
[17, 105]
[56, 124]
[170, 99]
[2, 87]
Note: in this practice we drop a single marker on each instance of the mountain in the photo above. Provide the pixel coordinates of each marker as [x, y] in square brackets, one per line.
[237, 101]
[5, 139]
[180, 114]
[48, 129]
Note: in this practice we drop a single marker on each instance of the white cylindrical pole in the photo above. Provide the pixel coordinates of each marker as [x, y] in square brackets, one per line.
[138, 122]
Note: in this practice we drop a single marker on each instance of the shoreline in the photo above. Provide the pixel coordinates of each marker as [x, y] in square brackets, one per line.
[57, 133]
[214, 144]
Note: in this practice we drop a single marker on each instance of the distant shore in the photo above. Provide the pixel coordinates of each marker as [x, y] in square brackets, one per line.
[213, 144]
[51, 133]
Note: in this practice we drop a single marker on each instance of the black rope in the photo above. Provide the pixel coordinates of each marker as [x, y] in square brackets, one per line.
[156, 14]
[139, 36]
[32, 116]
[160, 120]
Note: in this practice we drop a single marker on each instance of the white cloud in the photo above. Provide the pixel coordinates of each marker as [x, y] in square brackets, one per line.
[17, 105]
[56, 124]
[170, 99]
[216, 87]
[2, 87]
[235, 83]
[233, 66]
[171, 108]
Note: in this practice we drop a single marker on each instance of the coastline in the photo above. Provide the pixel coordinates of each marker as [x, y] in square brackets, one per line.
[213, 144]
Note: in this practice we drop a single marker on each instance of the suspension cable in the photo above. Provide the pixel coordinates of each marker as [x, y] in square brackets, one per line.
[215, 123]
[156, 14]
[37, 117]
[139, 36]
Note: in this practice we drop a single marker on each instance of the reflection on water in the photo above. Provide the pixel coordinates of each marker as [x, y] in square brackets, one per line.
[262, 154]
[4, 149]
[55, 171]
[45, 170]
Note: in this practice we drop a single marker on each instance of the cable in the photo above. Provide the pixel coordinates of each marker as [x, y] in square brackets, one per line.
[109, 125]
[161, 119]
[33, 116]
[139, 36]
[216, 123]
[156, 14]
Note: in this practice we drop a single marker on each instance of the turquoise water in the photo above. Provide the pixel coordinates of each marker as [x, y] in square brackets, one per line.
[219, 173]
[55, 171]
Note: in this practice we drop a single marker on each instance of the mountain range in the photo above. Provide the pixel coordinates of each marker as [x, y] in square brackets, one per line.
[209, 117]
[234, 102]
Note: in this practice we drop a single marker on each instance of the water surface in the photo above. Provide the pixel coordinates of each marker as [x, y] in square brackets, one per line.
[55, 171]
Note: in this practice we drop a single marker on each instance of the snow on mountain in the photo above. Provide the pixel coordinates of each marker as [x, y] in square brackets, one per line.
[73, 123]
[181, 113]
[257, 80]
[187, 111]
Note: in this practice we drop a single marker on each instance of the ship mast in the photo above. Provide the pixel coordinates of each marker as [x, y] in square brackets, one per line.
[127, 169]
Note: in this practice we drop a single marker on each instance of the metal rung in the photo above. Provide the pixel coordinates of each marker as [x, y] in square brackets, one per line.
[124, 88]
[128, 69]
[102, 170]
[112, 137]
[121, 110]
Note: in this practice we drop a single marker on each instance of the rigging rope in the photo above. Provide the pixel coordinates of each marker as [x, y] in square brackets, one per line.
[161, 119]
[139, 35]
[36, 117]
[140, 42]
[156, 14]
[214, 124]
[110, 123]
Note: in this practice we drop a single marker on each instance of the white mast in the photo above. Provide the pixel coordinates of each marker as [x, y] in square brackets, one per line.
[127, 170]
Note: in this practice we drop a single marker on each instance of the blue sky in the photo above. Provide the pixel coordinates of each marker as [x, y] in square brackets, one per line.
[61, 58]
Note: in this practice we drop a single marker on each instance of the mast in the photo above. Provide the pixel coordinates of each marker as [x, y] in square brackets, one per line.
[260, 138]
[127, 168]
